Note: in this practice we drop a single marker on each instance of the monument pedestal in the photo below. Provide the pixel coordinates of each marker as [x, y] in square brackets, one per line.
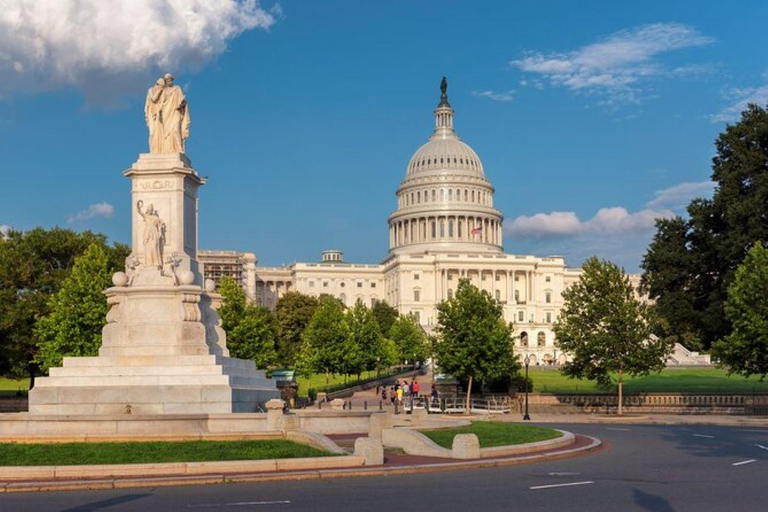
[163, 349]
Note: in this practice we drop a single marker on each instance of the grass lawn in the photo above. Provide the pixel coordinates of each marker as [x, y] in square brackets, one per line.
[317, 381]
[9, 387]
[670, 380]
[69, 454]
[494, 434]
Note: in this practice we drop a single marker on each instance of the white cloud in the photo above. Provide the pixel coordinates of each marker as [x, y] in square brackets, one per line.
[108, 48]
[496, 96]
[607, 221]
[740, 98]
[678, 196]
[618, 65]
[4, 228]
[95, 210]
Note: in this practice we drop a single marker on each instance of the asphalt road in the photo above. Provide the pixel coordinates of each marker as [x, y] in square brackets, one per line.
[658, 468]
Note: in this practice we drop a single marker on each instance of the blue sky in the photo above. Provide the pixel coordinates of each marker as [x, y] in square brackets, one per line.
[591, 120]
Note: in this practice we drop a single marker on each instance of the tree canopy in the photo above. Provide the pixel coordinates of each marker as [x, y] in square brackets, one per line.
[745, 350]
[293, 311]
[606, 330]
[33, 266]
[324, 340]
[252, 331]
[409, 339]
[691, 262]
[366, 348]
[78, 311]
[475, 343]
[385, 316]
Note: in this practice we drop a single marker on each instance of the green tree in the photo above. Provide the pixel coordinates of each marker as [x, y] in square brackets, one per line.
[475, 343]
[77, 312]
[255, 337]
[385, 316]
[252, 331]
[293, 310]
[745, 350]
[233, 303]
[33, 266]
[366, 348]
[409, 339]
[691, 263]
[606, 329]
[324, 340]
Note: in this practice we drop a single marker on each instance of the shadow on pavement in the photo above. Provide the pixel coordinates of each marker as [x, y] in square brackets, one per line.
[99, 505]
[651, 502]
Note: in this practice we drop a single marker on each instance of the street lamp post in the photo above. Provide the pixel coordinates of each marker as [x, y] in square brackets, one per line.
[527, 361]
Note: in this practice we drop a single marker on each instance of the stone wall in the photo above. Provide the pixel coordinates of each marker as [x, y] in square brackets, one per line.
[658, 403]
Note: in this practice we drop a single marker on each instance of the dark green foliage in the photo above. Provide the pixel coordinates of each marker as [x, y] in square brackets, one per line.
[475, 343]
[745, 350]
[78, 311]
[366, 348]
[251, 330]
[385, 316]
[691, 263]
[324, 340]
[33, 266]
[293, 311]
[606, 329]
[409, 339]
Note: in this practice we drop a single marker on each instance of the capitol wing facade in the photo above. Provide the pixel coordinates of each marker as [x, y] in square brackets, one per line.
[445, 228]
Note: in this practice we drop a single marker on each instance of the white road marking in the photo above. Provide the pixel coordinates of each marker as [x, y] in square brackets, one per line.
[744, 462]
[570, 484]
[240, 504]
[703, 435]
[563, 473]
[617, 428]
[762, 447]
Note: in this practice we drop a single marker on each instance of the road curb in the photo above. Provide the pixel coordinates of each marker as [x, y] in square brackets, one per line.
[181, 480]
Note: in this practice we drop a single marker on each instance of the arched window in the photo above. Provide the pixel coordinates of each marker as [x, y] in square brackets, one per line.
[548, 297]
[450, 294]
[517, 295]
[416, 295]
[498, 294]
[343, 299]
[450, 229]
[541, 339]
[523, 339]
[434, 195]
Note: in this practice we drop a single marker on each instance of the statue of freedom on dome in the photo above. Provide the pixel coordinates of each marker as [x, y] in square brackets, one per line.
[167, 115]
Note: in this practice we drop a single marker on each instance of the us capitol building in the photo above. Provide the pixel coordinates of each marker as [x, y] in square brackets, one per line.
[445, 228]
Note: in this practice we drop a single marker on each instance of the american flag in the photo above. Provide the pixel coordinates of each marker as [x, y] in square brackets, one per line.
[477, 230]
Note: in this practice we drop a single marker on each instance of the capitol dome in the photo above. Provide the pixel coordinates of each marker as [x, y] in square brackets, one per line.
[445, 201]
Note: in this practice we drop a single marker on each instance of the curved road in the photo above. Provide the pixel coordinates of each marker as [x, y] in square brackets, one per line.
[658, 468]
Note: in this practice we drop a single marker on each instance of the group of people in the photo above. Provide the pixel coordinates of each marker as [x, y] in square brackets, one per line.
[403, 393]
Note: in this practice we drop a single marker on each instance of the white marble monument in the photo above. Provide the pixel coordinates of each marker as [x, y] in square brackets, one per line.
[163, 349]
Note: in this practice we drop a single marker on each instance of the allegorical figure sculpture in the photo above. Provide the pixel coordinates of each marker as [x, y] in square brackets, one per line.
[167, 115]
[153, 236]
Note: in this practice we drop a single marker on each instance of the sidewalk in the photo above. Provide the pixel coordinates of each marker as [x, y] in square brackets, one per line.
[394, 464]
[644, 419]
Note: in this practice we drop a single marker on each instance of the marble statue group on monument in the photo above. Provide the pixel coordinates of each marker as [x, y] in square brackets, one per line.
[167, 115]
[163, 348]
[153, 236]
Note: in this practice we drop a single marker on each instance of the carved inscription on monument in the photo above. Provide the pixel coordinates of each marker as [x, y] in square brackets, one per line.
[155, 185]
